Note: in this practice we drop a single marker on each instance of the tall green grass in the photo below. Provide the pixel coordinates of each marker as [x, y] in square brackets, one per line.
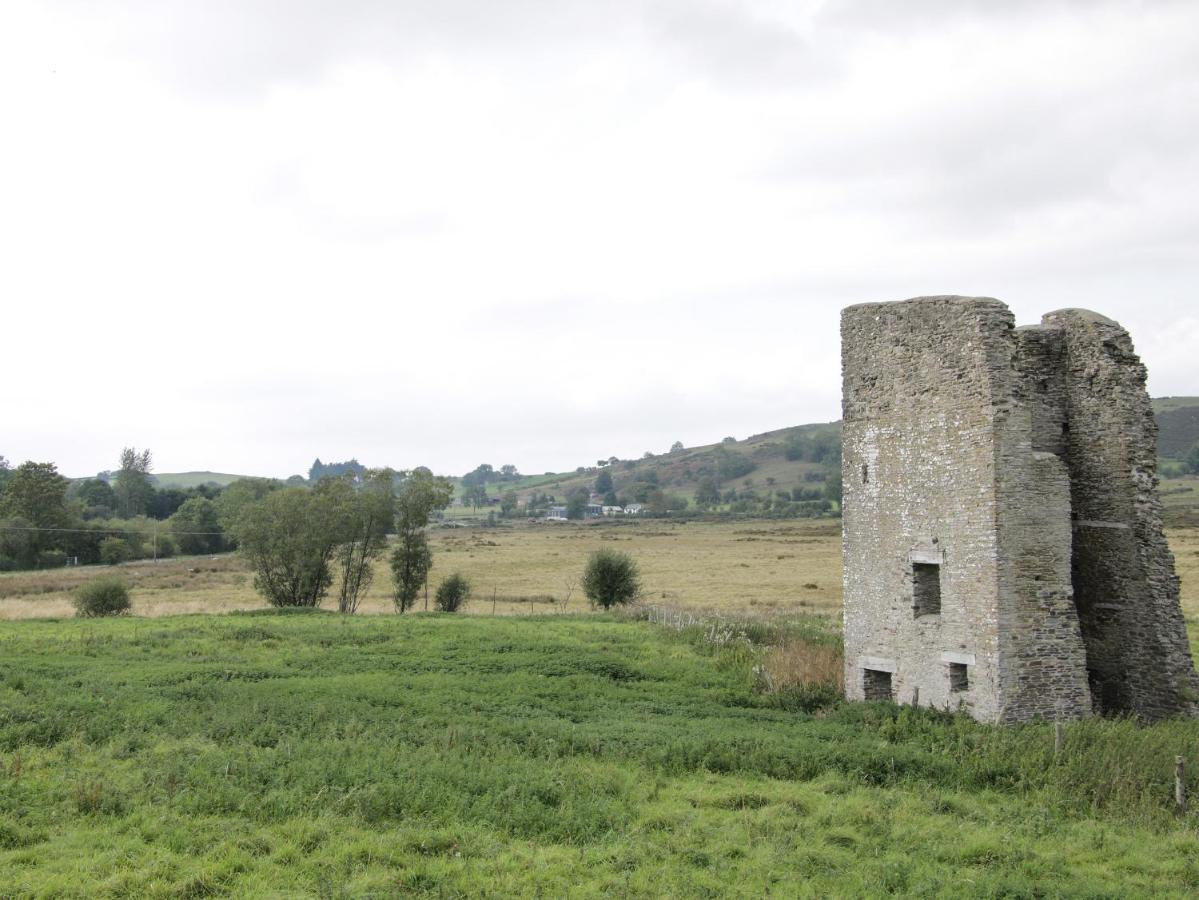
[307, 754]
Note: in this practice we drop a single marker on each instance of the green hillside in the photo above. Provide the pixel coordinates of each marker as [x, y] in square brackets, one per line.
[680, 472]
[193, 479]
[1177, 425]
[763, 456]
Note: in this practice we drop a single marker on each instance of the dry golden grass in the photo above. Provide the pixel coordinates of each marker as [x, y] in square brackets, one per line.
[760, 567]
[799, 663]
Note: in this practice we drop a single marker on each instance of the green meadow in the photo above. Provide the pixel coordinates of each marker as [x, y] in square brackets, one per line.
[312, 755]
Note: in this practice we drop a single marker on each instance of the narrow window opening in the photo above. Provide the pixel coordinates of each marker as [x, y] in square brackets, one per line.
[876, 685]
[926, 589]
[959, 677]
[865, 473]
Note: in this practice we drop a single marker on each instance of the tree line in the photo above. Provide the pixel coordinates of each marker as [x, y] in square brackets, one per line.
[46, 519]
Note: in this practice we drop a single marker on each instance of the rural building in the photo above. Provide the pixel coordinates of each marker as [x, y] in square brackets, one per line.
[1003, 541]
[613, 510]
[556, 513]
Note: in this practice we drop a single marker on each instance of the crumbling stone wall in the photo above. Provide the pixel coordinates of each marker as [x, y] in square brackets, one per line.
[963, 546]
[1125, 587]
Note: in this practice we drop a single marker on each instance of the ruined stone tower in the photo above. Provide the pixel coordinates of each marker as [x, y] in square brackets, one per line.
[1002, 534]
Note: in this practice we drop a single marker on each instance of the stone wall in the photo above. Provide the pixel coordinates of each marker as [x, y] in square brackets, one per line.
[1006, 469]
[1125, 588]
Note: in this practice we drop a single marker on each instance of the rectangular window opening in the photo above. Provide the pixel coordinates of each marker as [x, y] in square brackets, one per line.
[876, 685]
[959, 677]
[926, 589]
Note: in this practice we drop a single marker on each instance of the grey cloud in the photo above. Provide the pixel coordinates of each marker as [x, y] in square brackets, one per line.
[729, 44]
[903, 17]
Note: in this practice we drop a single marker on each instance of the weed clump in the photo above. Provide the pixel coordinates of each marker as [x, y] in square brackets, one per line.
[104, 596]
[452, 593]
[611, 578]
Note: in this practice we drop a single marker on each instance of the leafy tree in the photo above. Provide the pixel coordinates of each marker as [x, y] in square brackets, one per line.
[611, 578]
[5, 472]
[731, 464]
[197, 527]
[576, 505]
[610, 499]
[508, 504]
[707, 493]
[133, 486]
[114, 551]
[480, 475]
[677, 447]
[351, 467]
[36, 492]
[289, 538]
[832, 486]
[19, 544]
[237, 496]
[509, 471]
[34, 497]
[1192, 461]
[728, 440]
[421, 493]
[603, 482]
[98, 499]
[371, 513]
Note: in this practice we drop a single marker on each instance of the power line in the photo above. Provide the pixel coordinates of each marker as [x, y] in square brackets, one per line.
[102, 530]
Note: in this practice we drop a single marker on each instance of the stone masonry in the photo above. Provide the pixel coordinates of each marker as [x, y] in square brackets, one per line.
[1003, 540]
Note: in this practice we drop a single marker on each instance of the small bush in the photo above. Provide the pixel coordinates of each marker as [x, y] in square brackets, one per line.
[167, 546]
[114, 551]
[452, 593]
[611, 578]
[51, 559]
[107, 596]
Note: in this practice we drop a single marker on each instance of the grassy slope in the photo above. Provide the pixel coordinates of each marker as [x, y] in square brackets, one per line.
[194, 479]
[679, 472]
[311, 755]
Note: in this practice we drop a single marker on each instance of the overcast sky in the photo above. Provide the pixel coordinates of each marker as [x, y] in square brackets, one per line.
[246, 234]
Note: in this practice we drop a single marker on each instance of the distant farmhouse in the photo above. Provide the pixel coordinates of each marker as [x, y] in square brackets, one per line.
[594, 510]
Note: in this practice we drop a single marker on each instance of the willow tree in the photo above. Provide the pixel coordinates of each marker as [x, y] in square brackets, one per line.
[420, 494]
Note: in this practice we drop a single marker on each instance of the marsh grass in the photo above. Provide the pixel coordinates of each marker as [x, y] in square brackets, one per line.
[311, 754]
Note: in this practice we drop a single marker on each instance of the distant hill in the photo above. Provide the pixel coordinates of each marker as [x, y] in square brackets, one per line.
[1177, 425]
[193, 479]
[680, 472]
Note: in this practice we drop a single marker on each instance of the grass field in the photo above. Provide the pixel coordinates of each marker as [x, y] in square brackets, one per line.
[771, 568]
[738, 568]
[312, 755]
[267, 754]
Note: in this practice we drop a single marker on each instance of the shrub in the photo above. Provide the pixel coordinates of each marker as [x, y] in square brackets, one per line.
[51, 559]
[105, 596]
[167, 546]
[114, 551]
[452, 593]
[611, 578]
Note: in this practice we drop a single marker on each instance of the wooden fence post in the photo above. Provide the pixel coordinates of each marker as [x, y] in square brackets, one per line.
[1057, 738]
[1180, 785]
